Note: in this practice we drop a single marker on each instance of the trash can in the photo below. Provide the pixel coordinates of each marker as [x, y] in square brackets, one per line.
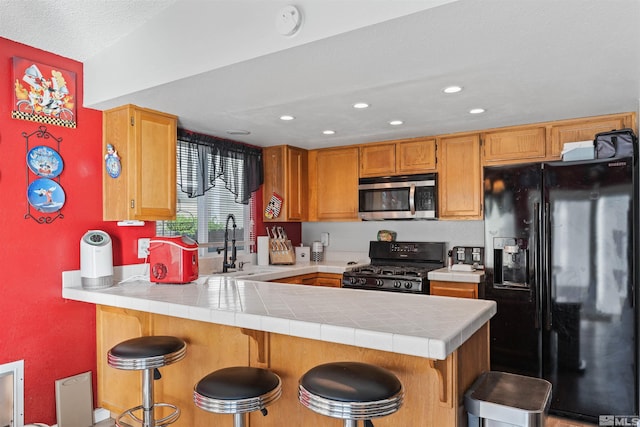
[500, 399]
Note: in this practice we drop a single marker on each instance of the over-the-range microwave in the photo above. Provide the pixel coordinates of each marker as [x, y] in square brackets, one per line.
[398, 197]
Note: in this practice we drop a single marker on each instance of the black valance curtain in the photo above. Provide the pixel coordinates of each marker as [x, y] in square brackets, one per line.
[203, 158]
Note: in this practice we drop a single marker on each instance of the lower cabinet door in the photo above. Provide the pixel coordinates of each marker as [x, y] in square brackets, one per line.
[454, 289]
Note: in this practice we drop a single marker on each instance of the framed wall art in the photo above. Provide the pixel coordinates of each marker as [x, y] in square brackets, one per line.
[43, 93]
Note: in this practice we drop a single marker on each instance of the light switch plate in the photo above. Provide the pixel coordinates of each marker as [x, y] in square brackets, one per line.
[324, 238]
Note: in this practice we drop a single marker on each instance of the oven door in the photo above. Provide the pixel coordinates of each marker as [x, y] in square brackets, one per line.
[397, 198]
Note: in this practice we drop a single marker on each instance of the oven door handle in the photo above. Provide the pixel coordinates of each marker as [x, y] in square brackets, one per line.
[412, 199]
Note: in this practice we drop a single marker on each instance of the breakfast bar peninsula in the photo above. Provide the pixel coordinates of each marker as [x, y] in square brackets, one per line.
[436, 346]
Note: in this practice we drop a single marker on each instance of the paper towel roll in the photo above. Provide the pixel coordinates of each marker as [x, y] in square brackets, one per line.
[263, 250]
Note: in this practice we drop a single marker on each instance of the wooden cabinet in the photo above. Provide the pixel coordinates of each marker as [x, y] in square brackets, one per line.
[454, 289]
[514, 145]
[405, 156]
[145, 141]
[285, 173]
[586, 129]
[333, 184]
[459, 177]
[377, 160]
[314, 279]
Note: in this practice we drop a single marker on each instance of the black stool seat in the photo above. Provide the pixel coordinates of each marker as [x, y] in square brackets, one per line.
[351, 390]
[237, 390]
[147, 352]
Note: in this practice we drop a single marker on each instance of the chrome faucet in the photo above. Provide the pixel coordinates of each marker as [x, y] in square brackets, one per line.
[232, 261]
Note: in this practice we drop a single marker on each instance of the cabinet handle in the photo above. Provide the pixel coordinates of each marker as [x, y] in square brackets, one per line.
[133, 203]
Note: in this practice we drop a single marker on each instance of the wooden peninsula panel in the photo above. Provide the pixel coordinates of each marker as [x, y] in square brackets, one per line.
[434, 389]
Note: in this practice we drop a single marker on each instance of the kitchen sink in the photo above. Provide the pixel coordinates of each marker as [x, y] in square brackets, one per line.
[249, 271]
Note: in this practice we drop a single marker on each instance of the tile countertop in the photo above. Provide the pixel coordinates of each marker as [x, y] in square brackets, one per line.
[419, 325]
[448, 275]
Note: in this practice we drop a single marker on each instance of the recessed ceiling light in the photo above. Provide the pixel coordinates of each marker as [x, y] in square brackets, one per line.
[452, 89]
[360, 105]
[329, 132]
[396, 122]
[476, 111]
[286, 117]
[238, 132]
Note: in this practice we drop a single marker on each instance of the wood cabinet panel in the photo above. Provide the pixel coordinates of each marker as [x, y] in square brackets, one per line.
[118, 390]
[285, 173]
[454, 289]
[586, 129]
[377, 160]
[400, 157]
[145, 141]
[333, 185]
[416, 156]
[460, 175]
[517, 145]
[329, 280]
[313, 279]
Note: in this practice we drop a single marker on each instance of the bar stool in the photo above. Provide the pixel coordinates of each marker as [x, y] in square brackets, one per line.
[237, 390]
[147, 354]
[351, 391]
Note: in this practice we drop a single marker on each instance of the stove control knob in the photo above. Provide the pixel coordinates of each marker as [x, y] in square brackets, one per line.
[353, 280]
[397, 284]
[408, 285]
[379, 282]
[362, 281]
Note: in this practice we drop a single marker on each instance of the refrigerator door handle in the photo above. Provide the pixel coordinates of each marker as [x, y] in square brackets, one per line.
[536, 265]
[546, 270]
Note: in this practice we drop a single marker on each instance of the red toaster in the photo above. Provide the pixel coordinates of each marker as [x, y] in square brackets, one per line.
[173, 260]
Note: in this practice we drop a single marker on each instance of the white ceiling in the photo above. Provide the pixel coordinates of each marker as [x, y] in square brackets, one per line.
[221, 65]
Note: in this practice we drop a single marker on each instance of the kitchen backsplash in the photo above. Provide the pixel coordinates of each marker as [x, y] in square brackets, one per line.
[355, 236]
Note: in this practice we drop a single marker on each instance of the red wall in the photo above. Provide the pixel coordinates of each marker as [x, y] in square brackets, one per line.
[54, 337]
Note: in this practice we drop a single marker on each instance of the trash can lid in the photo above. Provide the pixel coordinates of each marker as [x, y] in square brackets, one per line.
[506, 397]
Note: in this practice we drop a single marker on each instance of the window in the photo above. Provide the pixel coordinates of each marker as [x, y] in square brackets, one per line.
[204, 217]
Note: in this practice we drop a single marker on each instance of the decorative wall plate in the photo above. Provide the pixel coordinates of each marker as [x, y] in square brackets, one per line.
[44, 161]
[45, 195]
[112, 162]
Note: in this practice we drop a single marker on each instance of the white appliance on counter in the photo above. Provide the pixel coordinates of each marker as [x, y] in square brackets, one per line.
[96, 260]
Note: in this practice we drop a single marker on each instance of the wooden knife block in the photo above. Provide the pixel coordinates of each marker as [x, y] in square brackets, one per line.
[281, 256]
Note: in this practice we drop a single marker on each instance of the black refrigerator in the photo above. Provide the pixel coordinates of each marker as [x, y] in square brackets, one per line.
[560, 248]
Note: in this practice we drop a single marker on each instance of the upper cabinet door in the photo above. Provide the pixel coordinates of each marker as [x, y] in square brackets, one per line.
[145, 141]
[377, 160]
[334, 184]
[285, 173]
[416, 156]
[401, 157]
[586, 129]
[515, 145]
[460, 177]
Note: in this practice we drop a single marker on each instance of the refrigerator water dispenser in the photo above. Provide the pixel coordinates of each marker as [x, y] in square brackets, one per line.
[510, 259]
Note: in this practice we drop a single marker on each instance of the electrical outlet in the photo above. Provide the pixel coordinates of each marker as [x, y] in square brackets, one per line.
[324, 238]
[143, 247]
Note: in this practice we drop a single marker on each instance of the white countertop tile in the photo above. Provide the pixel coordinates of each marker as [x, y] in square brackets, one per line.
[448, 275]
[419, 325]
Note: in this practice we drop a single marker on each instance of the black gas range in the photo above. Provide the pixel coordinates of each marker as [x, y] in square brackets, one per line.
[398, 267]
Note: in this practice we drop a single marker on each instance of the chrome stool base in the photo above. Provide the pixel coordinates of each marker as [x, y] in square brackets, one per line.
[162, 422]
